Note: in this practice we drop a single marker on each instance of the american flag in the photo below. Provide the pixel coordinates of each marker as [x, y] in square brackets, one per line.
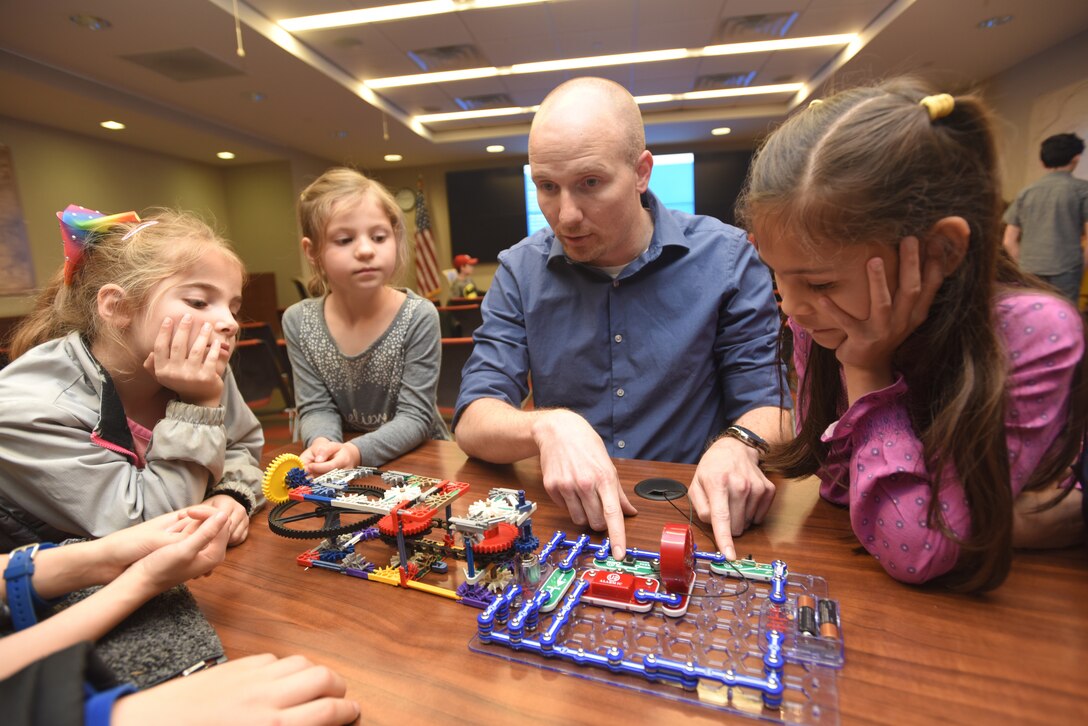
[427, 280]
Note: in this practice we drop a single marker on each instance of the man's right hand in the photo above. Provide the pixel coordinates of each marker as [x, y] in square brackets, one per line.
[579, 475]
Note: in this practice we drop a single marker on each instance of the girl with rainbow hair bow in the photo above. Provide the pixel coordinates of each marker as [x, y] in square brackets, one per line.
[118, 405]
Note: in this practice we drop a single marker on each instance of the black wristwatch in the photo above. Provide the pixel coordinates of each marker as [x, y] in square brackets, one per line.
[749, 437]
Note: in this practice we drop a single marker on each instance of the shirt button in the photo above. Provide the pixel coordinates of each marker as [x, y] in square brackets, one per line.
[619, 392]
[615, 283]
[618, 338]
[621, 443]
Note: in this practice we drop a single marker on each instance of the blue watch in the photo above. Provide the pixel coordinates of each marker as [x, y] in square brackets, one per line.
[22, 599]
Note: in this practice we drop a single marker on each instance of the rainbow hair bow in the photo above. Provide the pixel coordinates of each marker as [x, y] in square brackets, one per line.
[77, 228]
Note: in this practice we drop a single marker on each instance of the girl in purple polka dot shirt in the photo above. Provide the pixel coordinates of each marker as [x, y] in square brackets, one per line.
[941, 393]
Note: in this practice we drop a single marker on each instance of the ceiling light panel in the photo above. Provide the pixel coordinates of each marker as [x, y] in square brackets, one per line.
[392, 12]
[607, 60]
[526, 51]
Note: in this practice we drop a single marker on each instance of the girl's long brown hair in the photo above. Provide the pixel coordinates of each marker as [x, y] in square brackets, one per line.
[869, 164]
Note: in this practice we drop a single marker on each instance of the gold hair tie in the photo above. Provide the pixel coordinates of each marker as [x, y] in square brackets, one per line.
[814, 103]
[938, 106]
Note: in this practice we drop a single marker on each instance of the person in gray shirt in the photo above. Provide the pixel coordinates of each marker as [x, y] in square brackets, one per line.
[365, 355]
[1048, 218]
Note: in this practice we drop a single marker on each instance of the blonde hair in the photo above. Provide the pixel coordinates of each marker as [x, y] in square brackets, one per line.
[177, 242]
[324, 196]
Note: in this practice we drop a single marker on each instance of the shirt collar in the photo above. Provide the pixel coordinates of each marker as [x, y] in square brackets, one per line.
[667, 233]
[112, 427]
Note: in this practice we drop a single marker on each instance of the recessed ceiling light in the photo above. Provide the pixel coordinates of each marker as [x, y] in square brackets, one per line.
[994, 21]
[112, 125]
[720, 131]
[225, 155]
[496, 149]
[90, 22]
[393, 157]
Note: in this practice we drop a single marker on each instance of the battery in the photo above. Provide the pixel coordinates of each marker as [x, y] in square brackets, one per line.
[806, 615]
[829, 619]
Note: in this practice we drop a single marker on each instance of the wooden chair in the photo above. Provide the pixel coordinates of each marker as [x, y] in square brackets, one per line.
[264, 331]
[258, 374]
[459, 321]
[455, 353]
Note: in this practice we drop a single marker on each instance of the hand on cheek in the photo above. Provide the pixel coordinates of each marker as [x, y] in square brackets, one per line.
[193, 372]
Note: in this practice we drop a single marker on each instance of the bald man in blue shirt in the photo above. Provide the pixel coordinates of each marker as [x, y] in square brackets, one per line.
[648, 333]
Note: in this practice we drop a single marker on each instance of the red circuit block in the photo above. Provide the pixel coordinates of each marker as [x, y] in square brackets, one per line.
[617, 590]
[612, 585]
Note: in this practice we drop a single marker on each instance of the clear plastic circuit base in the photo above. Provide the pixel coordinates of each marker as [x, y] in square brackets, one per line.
[739, 646]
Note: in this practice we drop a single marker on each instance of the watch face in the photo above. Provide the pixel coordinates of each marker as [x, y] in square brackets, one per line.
[406, 199]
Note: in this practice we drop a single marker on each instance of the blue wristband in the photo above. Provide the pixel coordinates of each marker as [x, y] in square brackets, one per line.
[98, 708]
[22, 599]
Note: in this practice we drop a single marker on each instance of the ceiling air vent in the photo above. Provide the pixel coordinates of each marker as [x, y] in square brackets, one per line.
[448, 58]
[184, 64]
[756, 27]
[489, 100]
[724, 80]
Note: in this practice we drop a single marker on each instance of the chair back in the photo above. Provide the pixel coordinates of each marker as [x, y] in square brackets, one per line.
[258, 374]
[455, 353]
[263, 331]
[459, 321]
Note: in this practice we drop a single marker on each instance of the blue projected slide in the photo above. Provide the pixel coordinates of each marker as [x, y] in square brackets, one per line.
[672, 180]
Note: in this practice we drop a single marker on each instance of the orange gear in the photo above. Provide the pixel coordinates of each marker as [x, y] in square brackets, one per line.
[497, 539]
[415, 521]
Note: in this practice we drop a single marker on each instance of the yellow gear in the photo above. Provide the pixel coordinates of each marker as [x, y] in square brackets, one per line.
[274, 485]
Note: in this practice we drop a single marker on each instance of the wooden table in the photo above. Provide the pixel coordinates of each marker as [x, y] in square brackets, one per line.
[913, 655]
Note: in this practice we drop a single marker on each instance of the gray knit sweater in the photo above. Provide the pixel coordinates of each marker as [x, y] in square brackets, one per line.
[387, 392]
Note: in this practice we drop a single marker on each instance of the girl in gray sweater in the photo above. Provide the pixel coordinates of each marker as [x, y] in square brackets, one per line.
[365, 355]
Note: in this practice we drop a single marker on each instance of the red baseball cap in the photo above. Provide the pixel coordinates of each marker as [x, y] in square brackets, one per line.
[460, 261]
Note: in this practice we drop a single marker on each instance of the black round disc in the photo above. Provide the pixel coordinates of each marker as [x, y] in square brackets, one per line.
[660, 490]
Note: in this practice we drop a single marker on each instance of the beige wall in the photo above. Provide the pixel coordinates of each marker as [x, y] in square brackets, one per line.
[252, 205]
[54, 169]
[1046, 94]
[260, 209]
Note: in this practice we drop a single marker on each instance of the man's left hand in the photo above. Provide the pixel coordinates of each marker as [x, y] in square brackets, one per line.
[730, 491]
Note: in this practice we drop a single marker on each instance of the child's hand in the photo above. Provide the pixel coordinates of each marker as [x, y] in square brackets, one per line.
[195, 554]
[871, 343]
[238, 519]
[193, 372]
[116, 551]
[323, 456]
[260, 689]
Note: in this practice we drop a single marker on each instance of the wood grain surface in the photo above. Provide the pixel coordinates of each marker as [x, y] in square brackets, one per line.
[913, 655]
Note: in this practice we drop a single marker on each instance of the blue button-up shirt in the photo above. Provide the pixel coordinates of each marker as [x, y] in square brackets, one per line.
[658, 360]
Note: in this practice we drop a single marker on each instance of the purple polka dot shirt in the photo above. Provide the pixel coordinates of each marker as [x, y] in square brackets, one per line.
[875, 448]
